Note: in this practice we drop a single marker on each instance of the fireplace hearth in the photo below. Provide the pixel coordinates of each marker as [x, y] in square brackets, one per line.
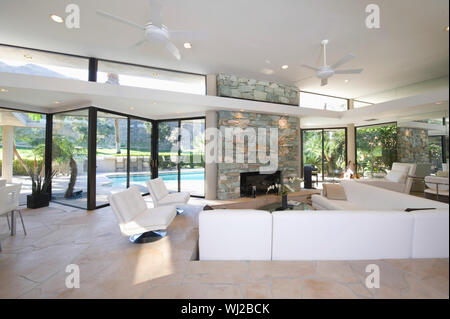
[254, 182]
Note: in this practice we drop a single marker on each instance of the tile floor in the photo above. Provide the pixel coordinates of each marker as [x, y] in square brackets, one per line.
[34, 266]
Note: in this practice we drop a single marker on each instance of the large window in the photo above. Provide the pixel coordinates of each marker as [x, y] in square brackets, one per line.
[112, 154]
[325, 149]
[436, 152]
[140, 153]
[69, 158]
[181, 152]
[145, 77]
[33, 62]
[376, 148]
[22, 148]
[322, 102]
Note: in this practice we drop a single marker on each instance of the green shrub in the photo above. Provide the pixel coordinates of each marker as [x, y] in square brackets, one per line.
[18, 169]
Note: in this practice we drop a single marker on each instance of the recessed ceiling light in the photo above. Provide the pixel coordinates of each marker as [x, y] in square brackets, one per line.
[446, 29]
[155, 74]
[187, 45]
[438, 103]
[132, 108]
[56, 18]
[346, 80]
[241, 110]
[285, 67]
[153, 102]
[56, 102]
[3, 90]
[28, 56]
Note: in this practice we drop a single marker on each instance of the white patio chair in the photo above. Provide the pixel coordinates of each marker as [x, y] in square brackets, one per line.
[136, 220]
[9, 199]
[162, 197]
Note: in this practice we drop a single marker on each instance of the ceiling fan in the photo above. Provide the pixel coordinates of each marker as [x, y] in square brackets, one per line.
[154, 30]
[327, 71]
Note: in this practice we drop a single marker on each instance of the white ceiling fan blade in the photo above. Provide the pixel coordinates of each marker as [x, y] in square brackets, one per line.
[155, 12]
[138, 43]
[345, 59]
[187, 35]
[348, 71]
[173, 50]
[323, 82]
[310, 67]
[111, 16]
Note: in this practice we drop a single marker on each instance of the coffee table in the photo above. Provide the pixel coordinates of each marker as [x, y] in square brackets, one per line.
[277, 207]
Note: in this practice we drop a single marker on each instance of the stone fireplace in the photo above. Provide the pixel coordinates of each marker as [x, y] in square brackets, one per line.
[229, 172]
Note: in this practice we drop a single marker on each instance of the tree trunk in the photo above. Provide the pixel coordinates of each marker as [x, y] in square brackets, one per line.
[73, 178]
[19, 158]
[116, 129]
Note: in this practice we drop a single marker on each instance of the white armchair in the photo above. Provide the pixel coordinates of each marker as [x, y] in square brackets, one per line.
[162, 197]
[9, 199]
[136, 220]
[399, 179]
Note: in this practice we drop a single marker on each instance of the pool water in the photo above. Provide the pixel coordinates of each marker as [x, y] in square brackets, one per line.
[119, 181]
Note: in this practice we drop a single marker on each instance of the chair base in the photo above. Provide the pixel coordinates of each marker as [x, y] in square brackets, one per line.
[148, 237]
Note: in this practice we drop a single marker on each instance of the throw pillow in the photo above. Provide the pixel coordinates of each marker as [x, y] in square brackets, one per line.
[334, 191]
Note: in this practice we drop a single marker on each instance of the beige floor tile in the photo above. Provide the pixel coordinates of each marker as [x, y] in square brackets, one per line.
[287, 288]
[319, 288]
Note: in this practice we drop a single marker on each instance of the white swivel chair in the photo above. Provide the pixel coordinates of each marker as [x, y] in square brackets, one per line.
[136, 220]
[9, 199]
[162, 197]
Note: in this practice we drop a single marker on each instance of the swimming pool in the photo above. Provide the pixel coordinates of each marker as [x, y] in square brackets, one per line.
[120, 181]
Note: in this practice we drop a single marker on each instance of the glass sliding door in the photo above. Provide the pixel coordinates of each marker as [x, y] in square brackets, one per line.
[23, 150]
[192, 164]
[334, 153]
[111, 155]
[140, 153]
[325, 149]
[312, 149]
[436, 152]
[376, 148]
[69, 158]
[168, 153]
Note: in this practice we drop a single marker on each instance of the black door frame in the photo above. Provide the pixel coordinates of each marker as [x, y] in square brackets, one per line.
[322, 130]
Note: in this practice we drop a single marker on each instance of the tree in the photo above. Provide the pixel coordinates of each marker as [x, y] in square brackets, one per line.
[63, 150]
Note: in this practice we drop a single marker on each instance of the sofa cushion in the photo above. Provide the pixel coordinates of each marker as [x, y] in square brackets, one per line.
[334, 191]
[341, 235]
[227, 234]
[431, 231]
[333, 204]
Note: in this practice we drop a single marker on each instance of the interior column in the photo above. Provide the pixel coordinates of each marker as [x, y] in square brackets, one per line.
[210, 163]
[8, 153]
[351, 143]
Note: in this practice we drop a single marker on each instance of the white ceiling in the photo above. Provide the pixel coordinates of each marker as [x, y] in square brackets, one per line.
[244, 37]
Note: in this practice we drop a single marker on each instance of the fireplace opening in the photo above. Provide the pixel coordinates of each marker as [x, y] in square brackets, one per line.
[255, 182]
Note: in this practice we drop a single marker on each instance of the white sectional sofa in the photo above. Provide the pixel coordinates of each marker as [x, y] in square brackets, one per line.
[367, 197]
[378, 229]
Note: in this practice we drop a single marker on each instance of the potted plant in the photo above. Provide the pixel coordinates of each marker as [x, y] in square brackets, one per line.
[40, 185]
[284, 189]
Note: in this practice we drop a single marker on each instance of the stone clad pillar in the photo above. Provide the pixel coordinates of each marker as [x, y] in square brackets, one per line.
[7, 153]
[210, 165]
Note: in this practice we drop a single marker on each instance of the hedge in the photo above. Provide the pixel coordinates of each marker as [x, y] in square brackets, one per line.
[18, 168]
